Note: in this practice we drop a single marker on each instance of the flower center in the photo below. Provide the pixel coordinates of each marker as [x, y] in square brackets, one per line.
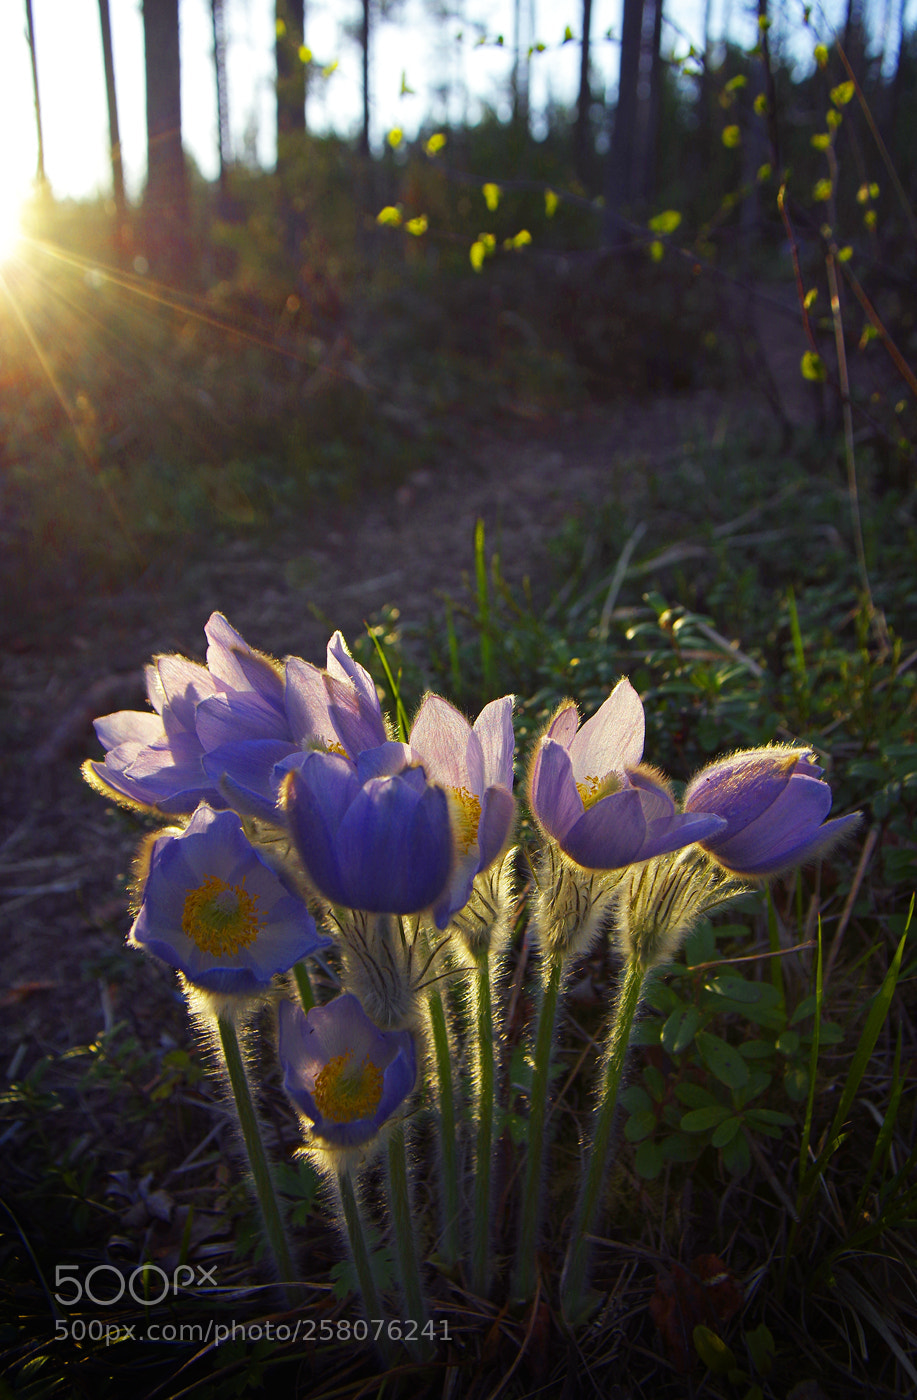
[593, 789]
[345, 1090]
[221, 918]
[467, 813]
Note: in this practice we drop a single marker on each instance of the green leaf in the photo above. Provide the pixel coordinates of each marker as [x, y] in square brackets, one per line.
[761, 1348]
[701, 1120]
[680, 1029]
[666, 222]
[725, 1132]
[796, 1082]
[722, 1060]
[788, 1043]
[640, 1125]
[654, 1080]
[737, 1155]
[813, 367]
[635, 1100]
[694, 1095]
[713, 1351]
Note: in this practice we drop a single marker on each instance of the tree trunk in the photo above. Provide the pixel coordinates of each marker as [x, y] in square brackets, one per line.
[582, 143]
[364, 41]
[117, 169]
[217, 17]
[291, 82]
[619, 169]
[40, 178]
[166, 209]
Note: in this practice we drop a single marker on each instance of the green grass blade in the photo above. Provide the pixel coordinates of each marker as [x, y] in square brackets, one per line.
[813, 1063]
[394, 686]
[483, 592]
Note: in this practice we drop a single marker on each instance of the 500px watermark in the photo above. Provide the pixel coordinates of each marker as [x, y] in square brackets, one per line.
[305, 1329]
[147, 1284]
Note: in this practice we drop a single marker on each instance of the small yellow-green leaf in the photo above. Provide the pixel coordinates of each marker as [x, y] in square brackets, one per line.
[713, 1351]
[435, 143]
[842, 94]
[521, 239]
[405, 90]
[821, 55]
[763, 22]
[761, 1348]
[280, 28]
[488, 240]
[330, 68]
[491, 195]
[869, 333]
[477, 253]
[845, 254]
[739, 81]
[833, 118]
[666, 222]
[870, 219]
[395, 137]
[657, 250]
[764, 173]
[813, 367]
[390, 215]
[417, 225]
[810, 296]
[732, 136]
[550, 203]
[873, 191]
[568, 35]
[760, 104]
[821, 191]
[821, 140]
[305, 54]
[863, 194]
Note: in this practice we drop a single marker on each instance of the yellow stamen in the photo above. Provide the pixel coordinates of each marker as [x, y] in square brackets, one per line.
[345, 1091]
[590, 790]
[221, 918]
[467, 816]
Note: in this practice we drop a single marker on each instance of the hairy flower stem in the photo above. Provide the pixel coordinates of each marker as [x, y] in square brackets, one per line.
[575, 1277]
[403, 1230]
[257, 1158]
[483, 1115]
[532, 1196]
[450, 1247]
[304, 986]
[359, 1249]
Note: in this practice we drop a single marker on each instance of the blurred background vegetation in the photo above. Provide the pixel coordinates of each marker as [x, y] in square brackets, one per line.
[208, 364]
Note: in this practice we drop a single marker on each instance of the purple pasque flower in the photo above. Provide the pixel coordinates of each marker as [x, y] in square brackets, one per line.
[377, 843]
[474, 763]
[773, 802]
[212, 908]
[343, 1073]
[157, 760]
[336, 710]
[589, 795]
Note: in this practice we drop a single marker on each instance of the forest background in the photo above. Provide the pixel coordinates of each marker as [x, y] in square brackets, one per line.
[671, 321]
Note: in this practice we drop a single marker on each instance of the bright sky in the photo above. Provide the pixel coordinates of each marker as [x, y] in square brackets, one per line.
[72, 87]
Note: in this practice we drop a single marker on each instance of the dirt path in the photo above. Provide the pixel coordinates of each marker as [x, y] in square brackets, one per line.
[64, 852]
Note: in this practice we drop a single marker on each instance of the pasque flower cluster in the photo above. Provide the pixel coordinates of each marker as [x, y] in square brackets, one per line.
[294, 808]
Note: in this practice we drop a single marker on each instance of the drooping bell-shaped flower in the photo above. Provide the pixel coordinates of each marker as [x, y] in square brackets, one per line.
[773, 802]
[344, 1074]
[212, 908]
[383, 845]
[588, 793]
[475, 766]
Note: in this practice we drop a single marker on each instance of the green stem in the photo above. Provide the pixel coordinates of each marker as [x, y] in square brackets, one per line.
[257, 1158]
[356, 1235]
[304, 984]
[403, 1228]
[530, 1218]
[483, 1112]
[448, 1144]
[574, 1280]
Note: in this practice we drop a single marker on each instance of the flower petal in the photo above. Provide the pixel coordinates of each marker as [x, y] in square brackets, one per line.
[494, 728]
[612, 739]
[554, 796]
[444, 742]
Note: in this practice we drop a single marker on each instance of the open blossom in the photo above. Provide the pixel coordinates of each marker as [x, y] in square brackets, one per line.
[773, 802]
[228, 732]
[213, 909]
[475, 766]
[343, 1073]
[156, 759]
[588, 793]
[382, 844]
